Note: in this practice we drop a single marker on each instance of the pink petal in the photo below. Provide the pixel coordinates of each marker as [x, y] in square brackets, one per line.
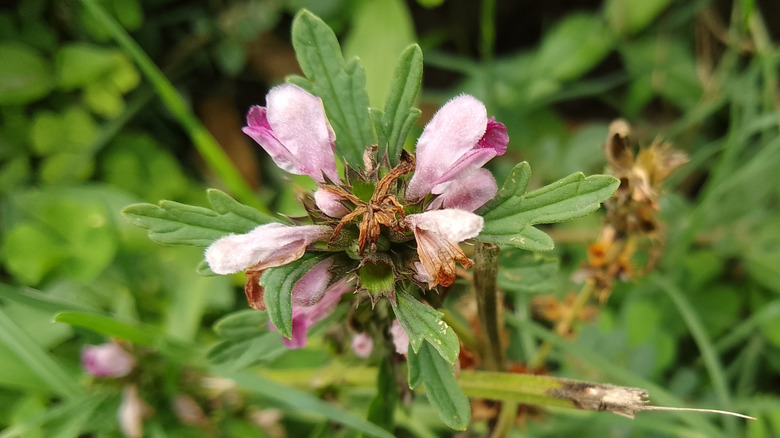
[452, 224]
[310, 288]
[362, 345]
[495, 137]
[468, 193]
[400, 337]
[305, 317]
[454, 130]
[295, 132]
[106, 360]
[330, 203]
[264, 247]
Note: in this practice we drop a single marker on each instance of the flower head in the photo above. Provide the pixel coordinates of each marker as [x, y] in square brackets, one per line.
[457, 141]
[106, 360]
[295, 132]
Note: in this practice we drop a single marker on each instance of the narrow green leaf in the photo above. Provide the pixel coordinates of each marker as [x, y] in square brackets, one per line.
[239, 353]
[340, 85]
[511, 215]
[244, 323]
[442, 389]
[173, 223]
[108, 326]
[381, 411]
[399, 114]
[423, 322]
[75, 407]
[302, 401]
[279, 283]
[39, 361]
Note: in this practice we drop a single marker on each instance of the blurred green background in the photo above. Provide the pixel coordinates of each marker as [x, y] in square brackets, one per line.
[88, 126]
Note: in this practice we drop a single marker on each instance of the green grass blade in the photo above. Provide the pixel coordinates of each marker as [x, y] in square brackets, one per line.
[38, 360]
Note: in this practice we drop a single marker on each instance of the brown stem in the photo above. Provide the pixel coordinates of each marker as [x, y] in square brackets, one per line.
[488, 305]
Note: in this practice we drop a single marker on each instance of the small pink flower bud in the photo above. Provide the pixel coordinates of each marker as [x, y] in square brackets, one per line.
[362, 345]
[106, 360]
[400, 337]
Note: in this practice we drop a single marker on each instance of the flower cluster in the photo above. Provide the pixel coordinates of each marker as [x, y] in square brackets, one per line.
[409, 228]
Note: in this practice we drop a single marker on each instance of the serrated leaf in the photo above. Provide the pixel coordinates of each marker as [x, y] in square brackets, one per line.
[340, 85]
[399, 114]
[441, 387]
[173, 223]
[423, 322]
[278, 284]
[511, 215]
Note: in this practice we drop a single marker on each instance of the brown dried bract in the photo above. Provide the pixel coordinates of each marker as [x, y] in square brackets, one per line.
[381, 209]
[254, 292]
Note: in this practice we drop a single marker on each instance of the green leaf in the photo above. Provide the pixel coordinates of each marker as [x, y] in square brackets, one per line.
[239, 353]
[527, 272]
[511, 215]
[242, 324]
[279, 283]
[423, 322]
[379, 32]
[381, 411]
[340, 85]
[400, 115]
[441, 387]
[39, 361]
[302, 401]
[105, 325]
[631, 16]
[174, 223]
[76, 408]
[24, 74]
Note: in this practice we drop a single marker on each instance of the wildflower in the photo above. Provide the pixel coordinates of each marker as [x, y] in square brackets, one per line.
[380, 244]
[438, 233]
[457, 142]
[400, 337]
[106, 360]
[266, 246]
[362, 345]
[295, 132]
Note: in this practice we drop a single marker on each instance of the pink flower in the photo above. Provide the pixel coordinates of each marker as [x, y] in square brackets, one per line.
[362, 345]
[312, 302]
[400, 337]
[295, 132]
[438, 233]
[456, 143]
[266, 246]
[106, 360]
[132, 412]
[330, 203]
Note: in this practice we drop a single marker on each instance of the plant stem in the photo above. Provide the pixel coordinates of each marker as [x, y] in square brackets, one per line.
[488, 305]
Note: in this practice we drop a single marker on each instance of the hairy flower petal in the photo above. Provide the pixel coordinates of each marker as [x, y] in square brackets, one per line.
[310, 288]
[295, 132]
[467, 193]
[458, 140]
[266, 246]
[303, 317]
[106, 360]
[330, 203]
[400, 337]
[438, 233]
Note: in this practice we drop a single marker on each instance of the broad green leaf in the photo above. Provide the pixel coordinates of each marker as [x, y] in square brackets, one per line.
[441, 387]
[302, 401]
[380, 31]
[81, 64]
[381, 411]
[511, 215]
[526, 272]
[278, 284]
[399, 114]
[340, 85]
[39, 361]
[174, 223]
[423, 322]
[574, 46]
[627, 17]
[24, 74]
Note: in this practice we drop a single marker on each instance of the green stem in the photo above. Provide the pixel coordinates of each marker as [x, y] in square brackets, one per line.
[488, 305]
[208, 147]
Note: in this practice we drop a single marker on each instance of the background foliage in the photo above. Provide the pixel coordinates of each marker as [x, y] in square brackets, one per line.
[88, 126]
